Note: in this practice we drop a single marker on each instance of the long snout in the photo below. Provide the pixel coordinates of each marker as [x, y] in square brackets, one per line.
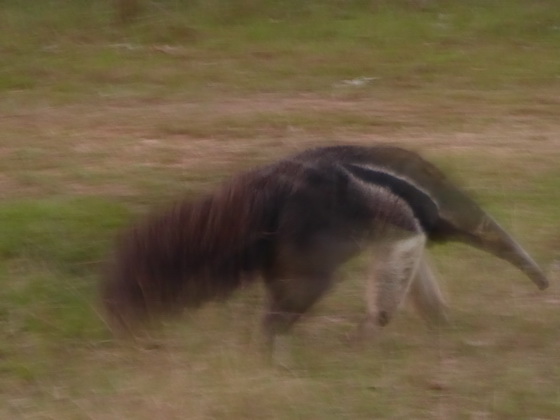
[489, 236]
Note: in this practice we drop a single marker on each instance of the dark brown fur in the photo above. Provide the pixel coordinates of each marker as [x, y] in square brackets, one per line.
[293, 223]
[193, 251]
[201, 250]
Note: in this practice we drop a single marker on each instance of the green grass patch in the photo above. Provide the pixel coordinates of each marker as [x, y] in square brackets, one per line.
[65, 234]
[51, 257]
[71, 48]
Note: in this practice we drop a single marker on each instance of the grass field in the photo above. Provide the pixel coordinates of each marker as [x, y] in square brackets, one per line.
[101, 121]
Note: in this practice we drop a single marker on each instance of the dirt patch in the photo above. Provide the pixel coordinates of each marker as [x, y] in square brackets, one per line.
[115, 139]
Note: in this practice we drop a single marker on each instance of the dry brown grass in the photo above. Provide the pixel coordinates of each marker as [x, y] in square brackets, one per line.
[81, 143]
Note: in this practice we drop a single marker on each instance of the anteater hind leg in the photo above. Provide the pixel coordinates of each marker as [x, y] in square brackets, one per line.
[394, 268]
[427, 296]
[289, 299]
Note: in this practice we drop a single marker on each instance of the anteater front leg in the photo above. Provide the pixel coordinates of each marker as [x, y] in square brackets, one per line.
[395, 266]
[288, 300]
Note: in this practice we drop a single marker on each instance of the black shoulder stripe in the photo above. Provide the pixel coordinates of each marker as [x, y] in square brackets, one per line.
[424, 207]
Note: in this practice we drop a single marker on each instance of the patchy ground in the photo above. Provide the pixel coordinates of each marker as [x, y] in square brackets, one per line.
[100, 123]
[81, 142]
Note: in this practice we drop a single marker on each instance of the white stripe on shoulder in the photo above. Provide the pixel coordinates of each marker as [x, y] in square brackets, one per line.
[385, 170]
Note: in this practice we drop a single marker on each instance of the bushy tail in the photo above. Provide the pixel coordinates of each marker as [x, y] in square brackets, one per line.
[192, 252]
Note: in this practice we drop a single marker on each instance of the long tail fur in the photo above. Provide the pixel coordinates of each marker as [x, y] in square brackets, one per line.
[193, 252]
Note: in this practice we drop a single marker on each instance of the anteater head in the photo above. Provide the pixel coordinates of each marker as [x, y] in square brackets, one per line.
[445, 212]
[461, 219]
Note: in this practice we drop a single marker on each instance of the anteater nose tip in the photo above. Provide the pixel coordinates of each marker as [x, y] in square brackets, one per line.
[541, 282]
